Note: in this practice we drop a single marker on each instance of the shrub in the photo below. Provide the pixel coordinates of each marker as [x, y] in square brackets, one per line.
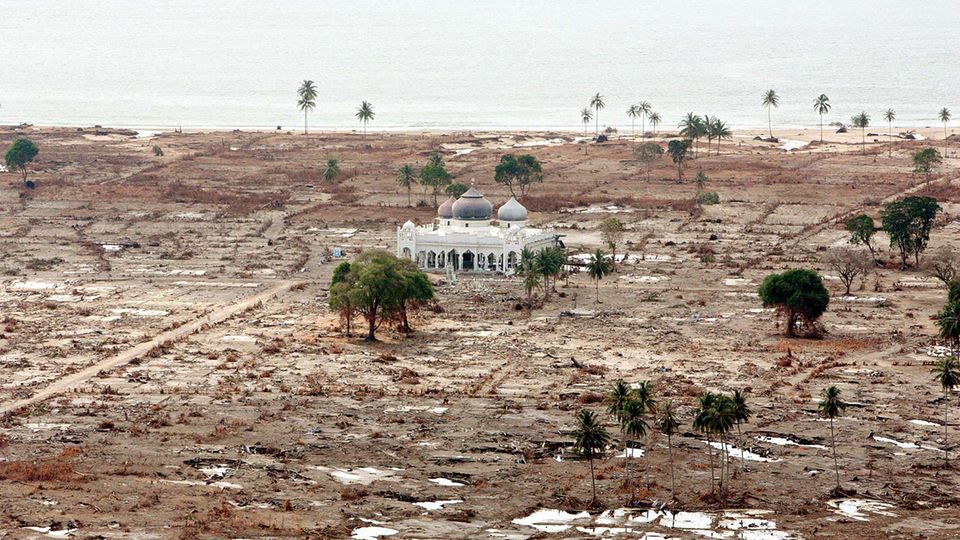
[708, 197]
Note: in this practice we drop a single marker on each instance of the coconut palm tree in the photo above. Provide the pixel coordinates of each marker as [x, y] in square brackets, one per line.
[721, 421]
[702, 418]
[691, 127]
[633, 427]
[668, 425]
[597, 268]
[720, 131]
[331, 170]
[406, 177]
[597, 103]
[531, 281]
[741, 414]
[771, 101]
[890, 115]
[861, 121]
[821, 106]
[590, 441]
[620, 393]
[633, 112]
[365, 114]
[947, 373]
[832, 407]
[586, 115]
[306, 100]
[645, 110]
[706, 124]
[655, 120]
[944, 117]
[948, 322]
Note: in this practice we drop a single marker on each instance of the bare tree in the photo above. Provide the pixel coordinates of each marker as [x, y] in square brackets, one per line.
[848, 264]
[943, 264]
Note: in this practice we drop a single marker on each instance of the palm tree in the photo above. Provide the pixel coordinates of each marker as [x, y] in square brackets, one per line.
[668, 425]
[720, 131]
[691, 127]
[944, 117]
[633, 112]
[590, 440]
[406, 176]
[597, 103]
[861, 121]
[655, 121]
[706, 125]
[948, 322]
[947, 373]
[832, 407]
[365, 114]
[643, 395]
[771, 101]
[645, 110]
[307, 100]
[619, 394]
[821, 106]
[586, 115]
[531, 281]
[741, 414]
[890, 115]
[633, 426]
[721, 421]
[702, 417]
[598, 267]
[331, 170]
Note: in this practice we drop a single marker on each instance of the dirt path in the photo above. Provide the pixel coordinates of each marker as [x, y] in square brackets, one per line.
[75, 380]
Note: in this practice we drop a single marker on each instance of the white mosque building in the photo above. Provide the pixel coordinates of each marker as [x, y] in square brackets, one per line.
[465, 238]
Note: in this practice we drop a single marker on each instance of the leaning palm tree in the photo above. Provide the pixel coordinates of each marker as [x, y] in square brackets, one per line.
[365, 114]
[668, 425]
[890, 115]
[771, 101]
[832, 407]
[947, 373]
[586, 115]
[633, 427]
[597, 103]
[645, 110]
[655, 120]
[307, 100]
[741, 414]
[633, 112]
[406, 177]
[861, 121]
[597, 268]
[590, 441]
[944, 117]
[821, 106]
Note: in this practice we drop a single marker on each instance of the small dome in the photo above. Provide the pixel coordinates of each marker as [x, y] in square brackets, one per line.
[512, 211]
[408, 225]
[472, 206]
[446, 209]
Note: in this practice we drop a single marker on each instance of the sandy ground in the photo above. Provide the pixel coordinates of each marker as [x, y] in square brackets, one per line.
[175, 372]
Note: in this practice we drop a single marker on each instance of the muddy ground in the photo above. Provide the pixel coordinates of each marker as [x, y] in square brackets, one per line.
[169, 368]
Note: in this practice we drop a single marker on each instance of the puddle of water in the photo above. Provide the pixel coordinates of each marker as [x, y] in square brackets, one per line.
[551, 521]
[925, 423]
[631, 452]
[740, 453]
[782, 441]
[63, 533]
[437, 505]
[686, 520]
[445, 482]
[372, 533]
[859, 508]
[363, 476]
[904, 445]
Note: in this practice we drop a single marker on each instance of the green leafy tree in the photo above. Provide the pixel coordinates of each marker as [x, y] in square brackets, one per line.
[339, 298]
[597, 268]
[597, 103]
[531, 282]
[770, 101]
[306, 100]
[798, 295]
[925, 161]
[406, 177]
[434, 175]
[944, 116]
[862, 228]
[861, 121]
[20, 154]
[648, 154]
[365, 114]
[611, 232]
[678, 153]
[331, 170]
[908, 222]
[947, 373]
[821, 106]
[889, 116]
[832, 407]
[456, 190]
[586, 115]
[518, 173]
[669, 424]
[416, 292]
[590, 441]
[655, 120]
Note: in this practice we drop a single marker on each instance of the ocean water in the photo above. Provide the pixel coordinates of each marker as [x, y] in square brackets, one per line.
[484, 64]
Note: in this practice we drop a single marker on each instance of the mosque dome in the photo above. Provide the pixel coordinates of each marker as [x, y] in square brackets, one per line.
[446, 209]
[409, 225]
[512, 211]
[472, 205]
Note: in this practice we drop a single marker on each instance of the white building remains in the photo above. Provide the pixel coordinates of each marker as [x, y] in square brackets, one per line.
[465, 237]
